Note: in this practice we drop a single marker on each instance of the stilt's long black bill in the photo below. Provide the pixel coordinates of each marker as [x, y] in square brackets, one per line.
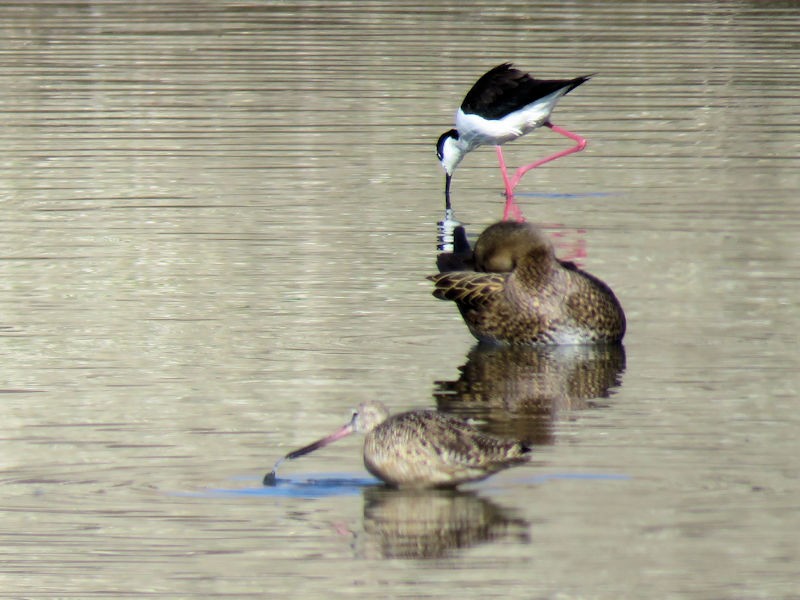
[447, 178]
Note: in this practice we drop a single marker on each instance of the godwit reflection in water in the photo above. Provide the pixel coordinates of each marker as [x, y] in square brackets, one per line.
[521, 392]
[432, 523]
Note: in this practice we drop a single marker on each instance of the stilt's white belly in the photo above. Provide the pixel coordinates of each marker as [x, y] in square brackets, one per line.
[475, 131]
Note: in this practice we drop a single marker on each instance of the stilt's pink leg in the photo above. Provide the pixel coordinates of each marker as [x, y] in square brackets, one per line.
[503, 170]
[511, 207]
[580, 145]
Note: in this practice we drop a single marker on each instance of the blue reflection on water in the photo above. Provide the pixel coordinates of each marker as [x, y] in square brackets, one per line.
[312, 485]
[564, 194]
[544, 478]
[324, 485]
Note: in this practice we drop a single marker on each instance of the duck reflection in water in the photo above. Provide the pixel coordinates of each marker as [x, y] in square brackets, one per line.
[521, 391]
[520, 294]
[432, 523]
[421, 448]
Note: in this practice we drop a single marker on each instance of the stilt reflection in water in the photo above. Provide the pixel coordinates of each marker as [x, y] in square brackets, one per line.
[456, 254]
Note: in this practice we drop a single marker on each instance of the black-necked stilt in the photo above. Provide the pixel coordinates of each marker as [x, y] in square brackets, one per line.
[504, 104]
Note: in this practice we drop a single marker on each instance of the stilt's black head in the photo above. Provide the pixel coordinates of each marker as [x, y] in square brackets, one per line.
[453, 133]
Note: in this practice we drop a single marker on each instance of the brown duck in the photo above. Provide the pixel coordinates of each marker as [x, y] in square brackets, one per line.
[421, 448]
[521, 294]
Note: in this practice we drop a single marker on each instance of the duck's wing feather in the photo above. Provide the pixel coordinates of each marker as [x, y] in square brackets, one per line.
[468, 288]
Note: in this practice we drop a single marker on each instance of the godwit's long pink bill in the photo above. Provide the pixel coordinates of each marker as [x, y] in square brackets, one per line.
[270, 478]
[504, 104]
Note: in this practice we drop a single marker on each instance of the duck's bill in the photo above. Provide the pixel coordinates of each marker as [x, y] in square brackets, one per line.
[336, 435]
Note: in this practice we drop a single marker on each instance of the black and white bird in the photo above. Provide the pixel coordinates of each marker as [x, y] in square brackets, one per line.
[504, 104]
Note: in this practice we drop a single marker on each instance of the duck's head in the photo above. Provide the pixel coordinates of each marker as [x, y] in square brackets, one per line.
[502, 245]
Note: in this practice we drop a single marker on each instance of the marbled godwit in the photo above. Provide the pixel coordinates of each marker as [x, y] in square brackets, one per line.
[421, 448]
[504, 104]
[523, 295]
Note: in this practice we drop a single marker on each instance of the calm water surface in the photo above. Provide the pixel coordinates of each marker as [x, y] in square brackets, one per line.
[216, 222]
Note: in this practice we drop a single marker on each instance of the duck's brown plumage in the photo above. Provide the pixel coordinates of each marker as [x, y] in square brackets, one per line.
[521, 294]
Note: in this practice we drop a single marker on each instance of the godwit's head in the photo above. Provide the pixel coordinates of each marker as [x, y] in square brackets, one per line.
[369, 415]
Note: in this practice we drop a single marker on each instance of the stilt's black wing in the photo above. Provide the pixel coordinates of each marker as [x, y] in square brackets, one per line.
[505, 89]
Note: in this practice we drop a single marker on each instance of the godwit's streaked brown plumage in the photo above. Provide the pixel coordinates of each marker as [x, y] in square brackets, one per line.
[423, 448]
[521, 294]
